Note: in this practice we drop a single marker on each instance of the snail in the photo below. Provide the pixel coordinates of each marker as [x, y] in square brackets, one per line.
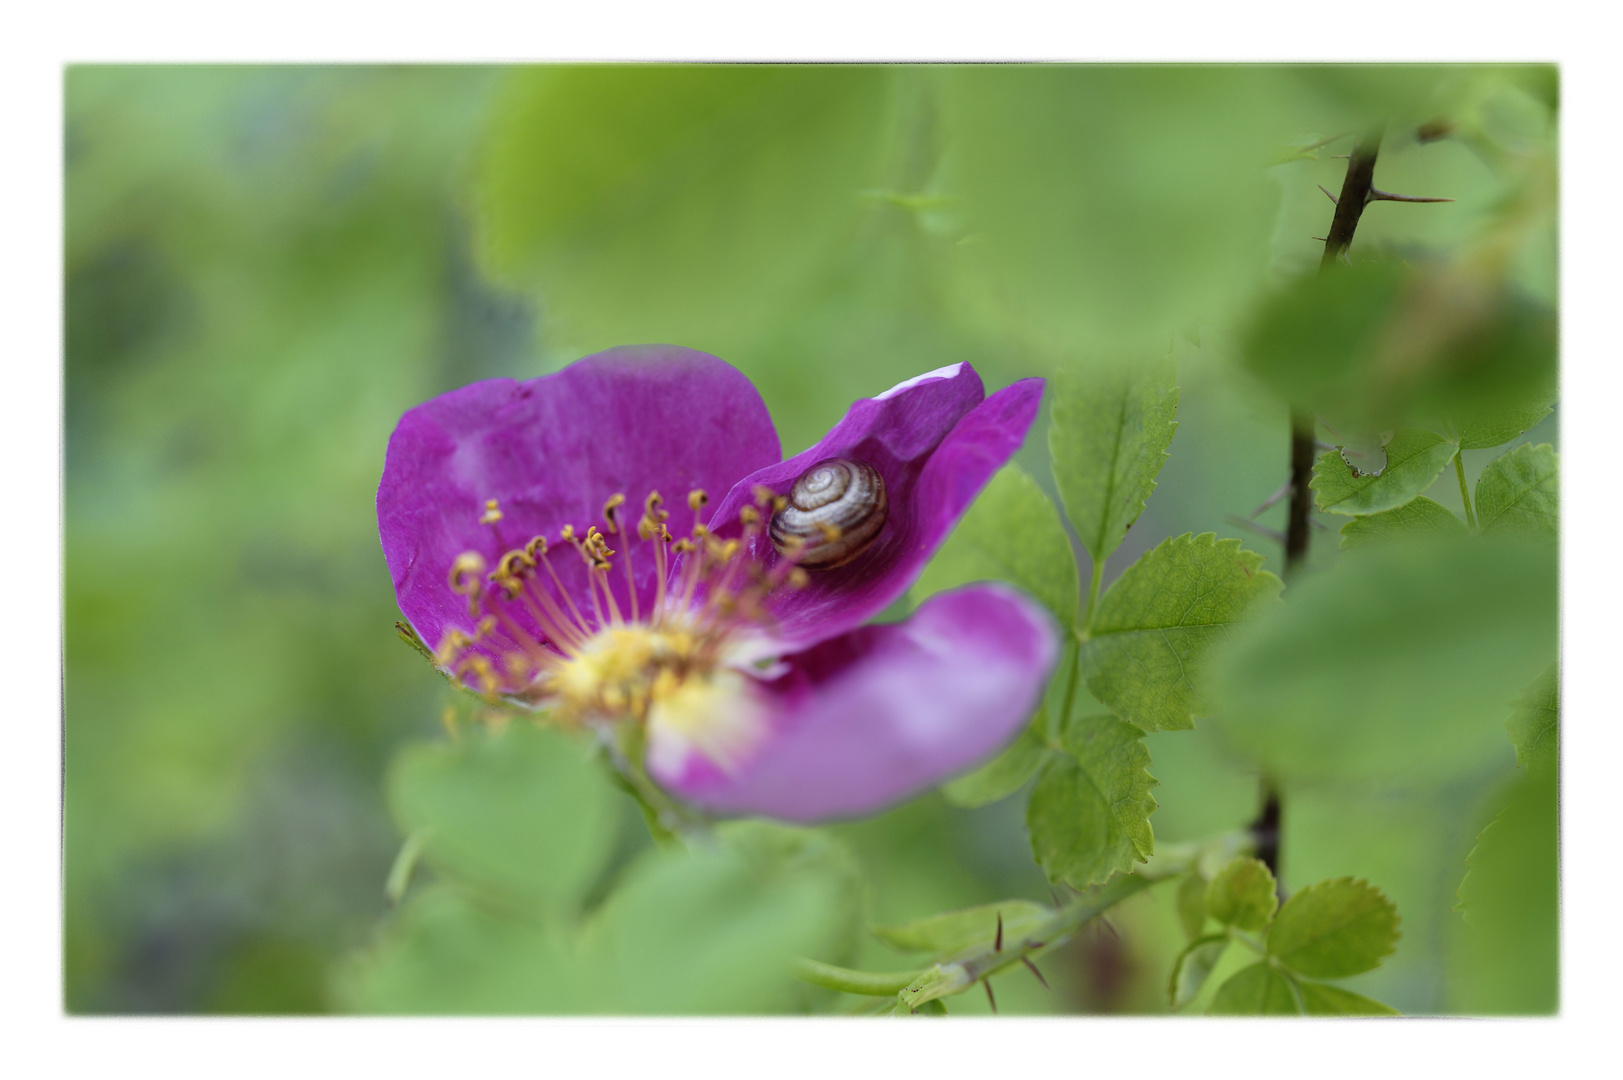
[835, 510]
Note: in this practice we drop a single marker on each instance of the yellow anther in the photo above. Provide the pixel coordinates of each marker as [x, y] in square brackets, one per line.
[798, 578]
[492, 514]
[567, 534]
[780, 504]
[614, 503]
[700, 532]
[763, 494]
[513, 564]
[451, 643]
[485, 627]
[697, 498]
[749, 516]
[651, 506]
[466, 571]
[830, 533]
[681, 547]
[536, 548]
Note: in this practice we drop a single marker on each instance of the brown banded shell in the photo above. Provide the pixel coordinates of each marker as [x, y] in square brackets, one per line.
[835, 510]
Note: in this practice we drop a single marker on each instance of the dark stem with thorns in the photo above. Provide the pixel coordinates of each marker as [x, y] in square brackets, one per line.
[1357, 191]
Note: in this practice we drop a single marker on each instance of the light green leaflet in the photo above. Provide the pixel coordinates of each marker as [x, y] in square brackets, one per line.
[1089, 813]
[1414, 459]
[1534, 722]
[522, 813]
[1422, 517]
[1258, 990]
[1242, 894]
[1011, 533]
[1152, 629]
[1112, 423]
[1193, 967]
[1334, 929]
[1520, 489]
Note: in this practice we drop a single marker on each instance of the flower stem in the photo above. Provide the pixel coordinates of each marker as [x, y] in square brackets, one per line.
[1465, 494]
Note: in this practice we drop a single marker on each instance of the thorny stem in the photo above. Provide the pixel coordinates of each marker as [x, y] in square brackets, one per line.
[918, 988]
[1355, 195]
[1465, 494]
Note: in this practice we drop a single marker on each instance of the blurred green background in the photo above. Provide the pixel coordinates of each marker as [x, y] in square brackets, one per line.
[266, 266]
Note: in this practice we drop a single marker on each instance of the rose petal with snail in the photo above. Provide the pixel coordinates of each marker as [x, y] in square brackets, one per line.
[551, 451]
[935, 442]
[881, 713]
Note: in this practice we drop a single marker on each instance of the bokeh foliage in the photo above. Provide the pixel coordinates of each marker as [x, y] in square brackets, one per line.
[266, 266]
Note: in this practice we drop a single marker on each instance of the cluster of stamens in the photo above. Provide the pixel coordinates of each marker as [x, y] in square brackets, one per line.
[615, 659]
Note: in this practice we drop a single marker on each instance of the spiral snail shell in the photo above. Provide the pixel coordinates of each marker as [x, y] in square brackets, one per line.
[835, 511]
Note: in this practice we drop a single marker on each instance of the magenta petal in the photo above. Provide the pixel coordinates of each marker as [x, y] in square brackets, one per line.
[551, 450]
[936, 443]
[879, 714]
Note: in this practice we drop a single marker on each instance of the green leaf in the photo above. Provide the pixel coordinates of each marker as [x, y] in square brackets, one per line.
[1421, 518]
[711, 931]
[523, 812]
[1310, 341]
[1499, 426]
[1506, 948]
[953, 932]
[682, 203]
[1192, 905]
[1395, 664]
[1384, 345]
[1414, 460]
[447, 955]
[1111, 426]
[1534, 723]
[1004, 774]
[1242, 894]
[1154, 626]
[1258, 990]
[1083, 224]
[1089, 813]
[1193, 967]
[1322, 999]
[1334, 929]
[1011, 533]
[1520, 490]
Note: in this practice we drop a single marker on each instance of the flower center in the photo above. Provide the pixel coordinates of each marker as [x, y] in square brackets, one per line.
[611, 655]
